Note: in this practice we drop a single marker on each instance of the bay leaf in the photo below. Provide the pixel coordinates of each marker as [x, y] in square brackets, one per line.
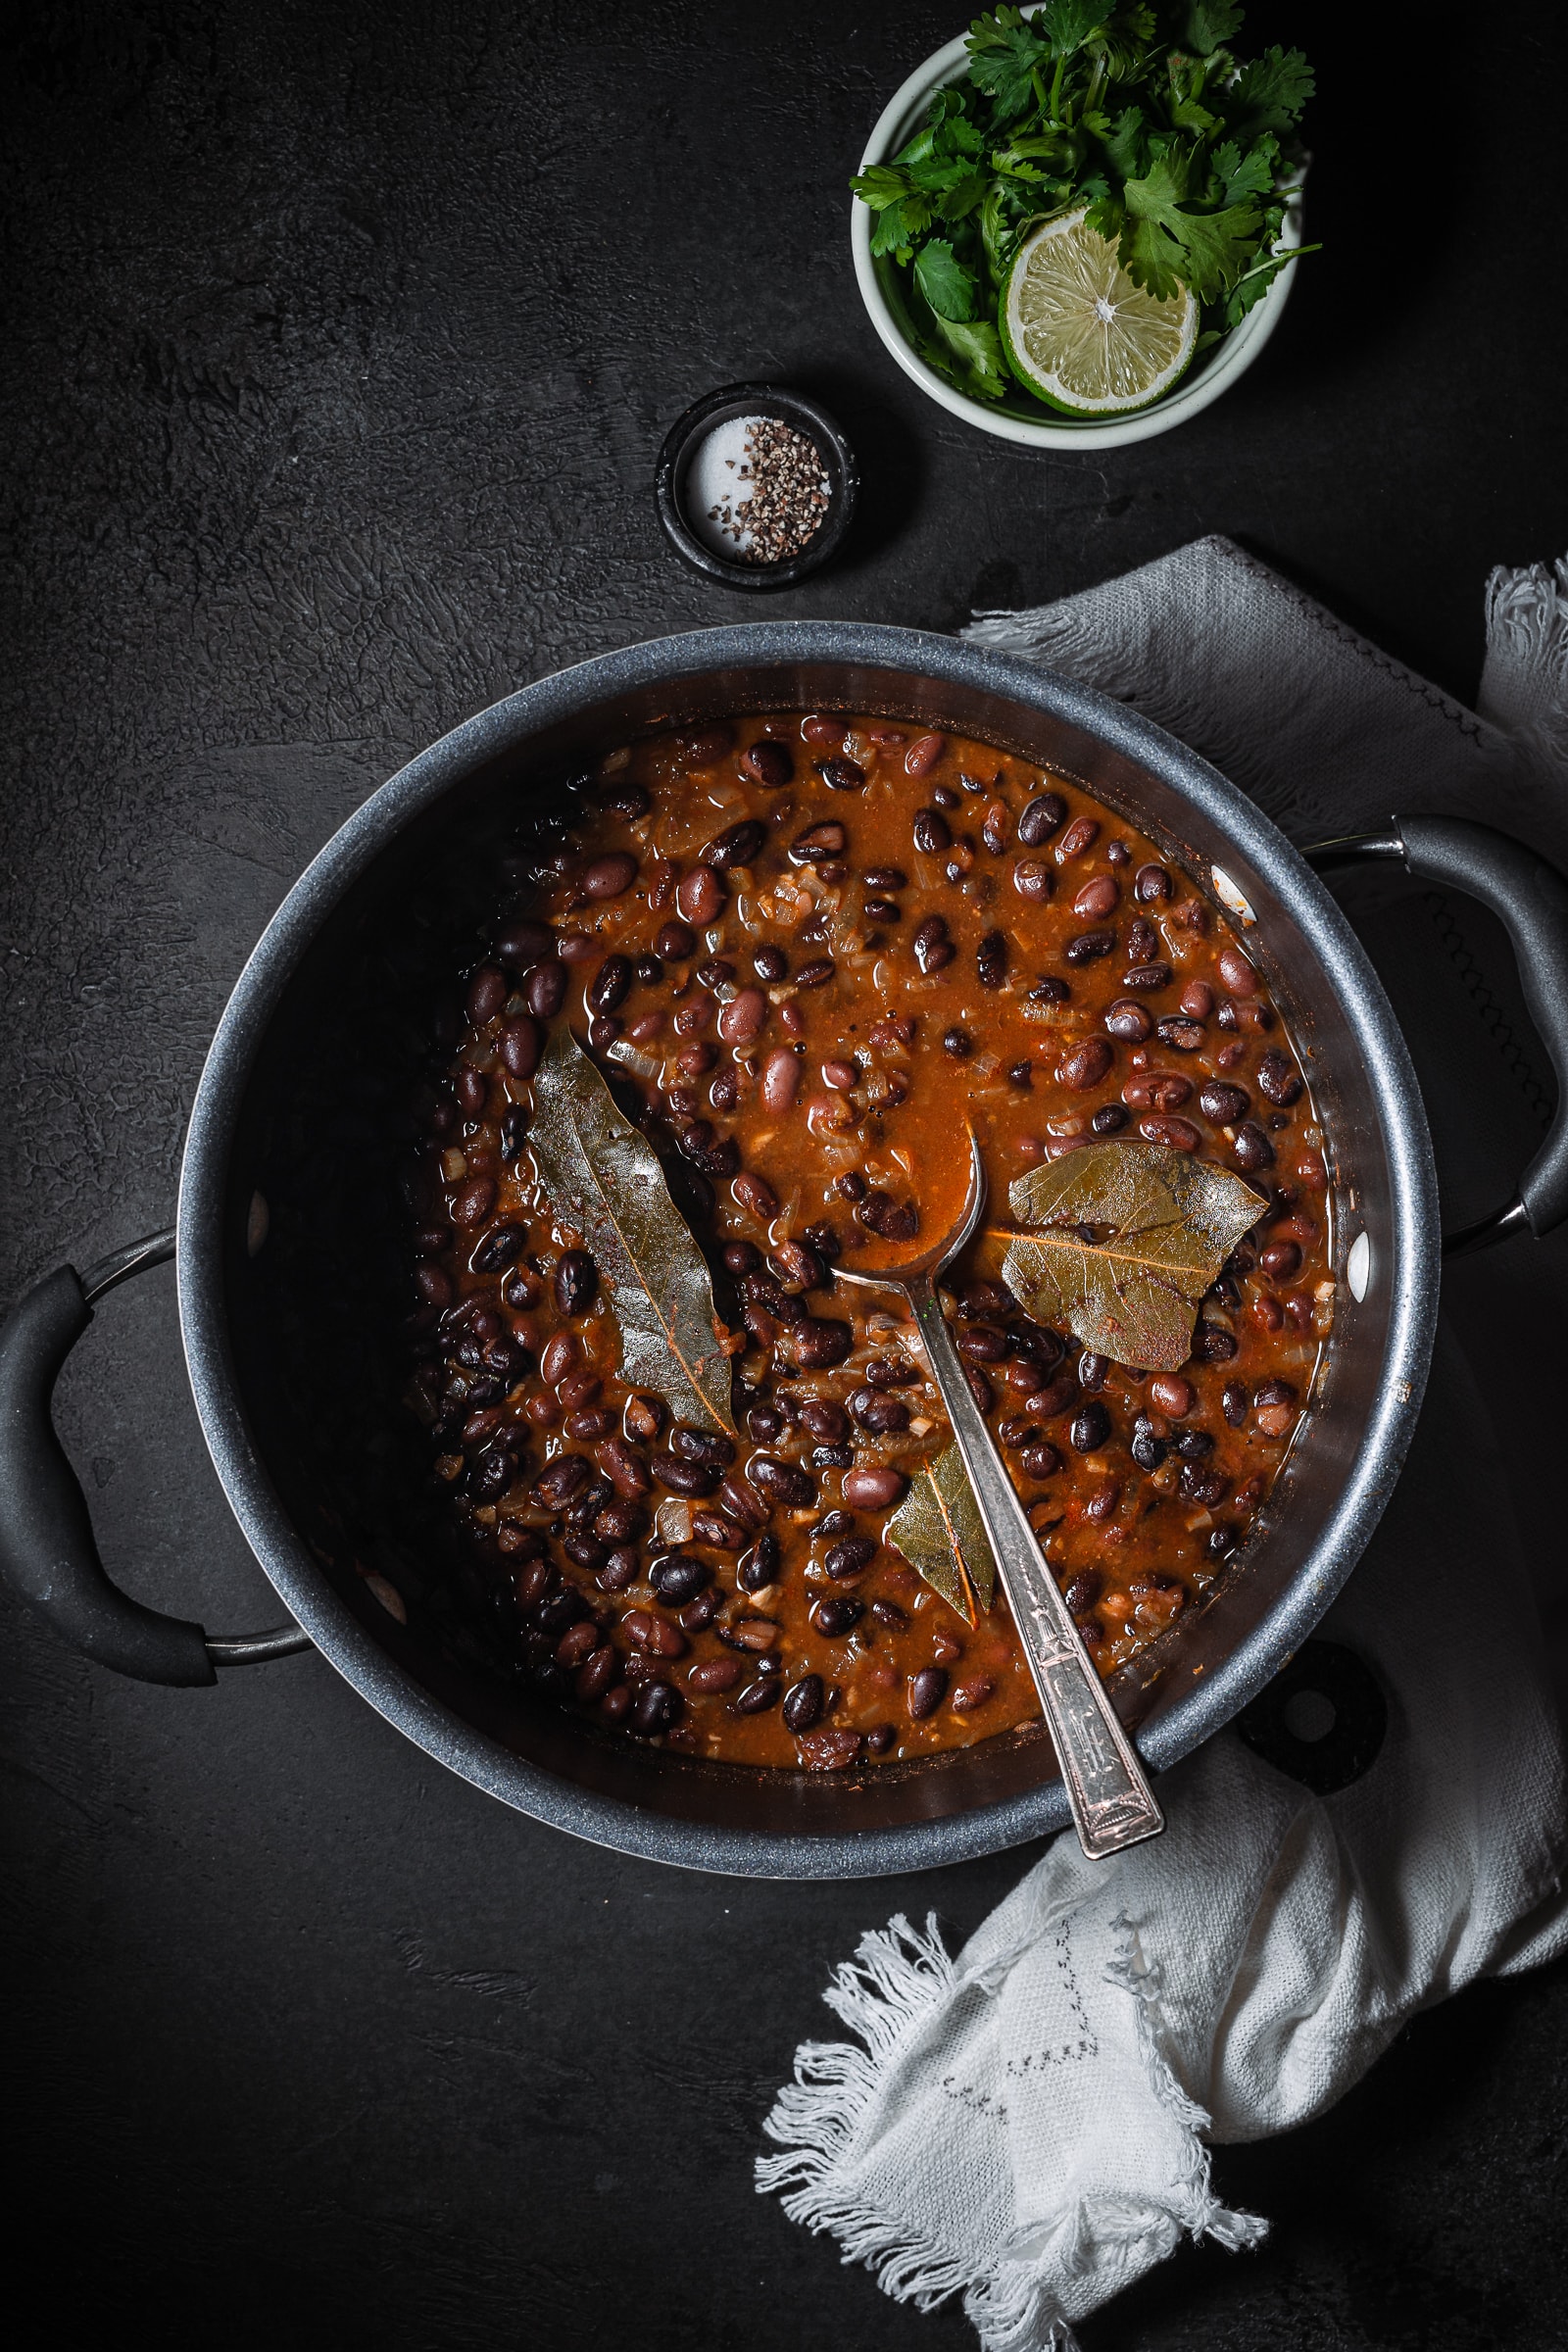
[940, 1532]
[600, 1175]
[1173, 1220]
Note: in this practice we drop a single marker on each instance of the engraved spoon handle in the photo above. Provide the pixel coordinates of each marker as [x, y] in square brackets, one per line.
[1113, 1804]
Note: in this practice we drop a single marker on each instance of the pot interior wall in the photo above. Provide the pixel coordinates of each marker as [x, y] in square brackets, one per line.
[318, 1315]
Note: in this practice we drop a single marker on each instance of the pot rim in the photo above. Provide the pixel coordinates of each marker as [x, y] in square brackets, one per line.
[283, 1553]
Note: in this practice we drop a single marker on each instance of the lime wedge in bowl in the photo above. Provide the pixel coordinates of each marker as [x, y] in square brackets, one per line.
[1080, 334]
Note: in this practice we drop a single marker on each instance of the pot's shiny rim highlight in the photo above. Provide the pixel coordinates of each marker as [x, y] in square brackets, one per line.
[571, 694]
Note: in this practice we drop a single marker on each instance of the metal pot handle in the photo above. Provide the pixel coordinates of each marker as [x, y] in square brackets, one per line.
[1531, 898]
[47, 1552]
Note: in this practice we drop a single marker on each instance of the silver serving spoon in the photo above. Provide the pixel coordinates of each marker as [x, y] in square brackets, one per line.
[1113, 1804]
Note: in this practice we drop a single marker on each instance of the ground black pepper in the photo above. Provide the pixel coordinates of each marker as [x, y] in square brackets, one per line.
[790, 495]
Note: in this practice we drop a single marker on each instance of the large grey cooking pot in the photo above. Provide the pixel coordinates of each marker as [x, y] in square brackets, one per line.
[292, 1341]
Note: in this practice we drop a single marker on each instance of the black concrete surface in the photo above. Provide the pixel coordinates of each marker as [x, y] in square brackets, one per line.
[338, 343]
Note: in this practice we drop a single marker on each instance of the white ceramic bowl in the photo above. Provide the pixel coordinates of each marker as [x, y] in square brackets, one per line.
[1015, 416]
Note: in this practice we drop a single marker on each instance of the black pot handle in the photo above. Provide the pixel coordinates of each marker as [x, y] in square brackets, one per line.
[47, 1552]
[1531, 898]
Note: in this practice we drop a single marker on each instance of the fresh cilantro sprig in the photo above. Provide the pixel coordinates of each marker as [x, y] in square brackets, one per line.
[1181, 152]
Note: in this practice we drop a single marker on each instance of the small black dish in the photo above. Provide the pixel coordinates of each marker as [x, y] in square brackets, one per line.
[674, 464]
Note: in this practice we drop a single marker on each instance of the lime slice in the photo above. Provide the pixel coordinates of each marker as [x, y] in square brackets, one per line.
[1080, 334]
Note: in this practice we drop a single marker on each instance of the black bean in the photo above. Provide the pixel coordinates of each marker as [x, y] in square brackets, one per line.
[835, 1613]
[891, 1372]
[760, 1565]
[1221, 1540]
[702, 1444]
[1109, 1119]
[824, 1420]
[560, 1481]
[1195, 1445]
[944, 797]
[1233, 1404]
[1183, 1036]
[576, 1282]
[881, 1414]
[840, 775]
[927, 1691]
[1250, 1147]
[771, 964]
[823, 1237]
[680, 1579]
[1274, 1392]
[649, 970]
[983, 1342]
[765, 1423]
[737, 844]
[991, 960]
[850, 1186]
[886, 877]
[1200, 1485]
[1045, 815]
[514, 1130]
[781, 1481]
[501, 1245]
[1088, 946]
[525, 944]
[1213, 1344]
[768, 762]
[1084, 1591]
[958, 1043]
[757, 1697]
[1151, 884]
[1148, 1451]
[816, 974]
[1276, 1079]
[683, 1477]
[655, 1709]
[1091, 1427]
[804, 1702]
[851, 1556]
[932, 832]
[894, 1220]
[819, 1341]
[544, 990]
[675, 942]
[1222, 1104]
[611, 983]
[1146, 975]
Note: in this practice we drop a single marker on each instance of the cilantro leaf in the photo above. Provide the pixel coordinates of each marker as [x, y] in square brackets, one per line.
[1071, 22]
[1207, 24]
[879, 185]
[1124, 144]
[948, 286]
[1162, 244]
[934, 173]
[898, 226]
[1268, 94]
[979, 348]
[1126, 41]
[1250, 174]
[1004, 56]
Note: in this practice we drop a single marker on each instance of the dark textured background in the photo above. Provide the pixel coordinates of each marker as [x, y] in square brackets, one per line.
[338, 341]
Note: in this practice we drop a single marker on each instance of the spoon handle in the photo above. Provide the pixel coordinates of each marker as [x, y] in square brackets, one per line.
[1113, 1804]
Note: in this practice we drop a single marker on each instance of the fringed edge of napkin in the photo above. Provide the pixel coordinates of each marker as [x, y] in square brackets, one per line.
[897, 1982]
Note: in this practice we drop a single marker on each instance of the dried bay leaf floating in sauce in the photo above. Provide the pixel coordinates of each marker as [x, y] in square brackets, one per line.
[940, 1532]
[599, 1174]
[1169, 1222]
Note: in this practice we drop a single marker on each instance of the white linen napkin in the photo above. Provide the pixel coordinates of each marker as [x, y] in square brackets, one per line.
[1026, 2125]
